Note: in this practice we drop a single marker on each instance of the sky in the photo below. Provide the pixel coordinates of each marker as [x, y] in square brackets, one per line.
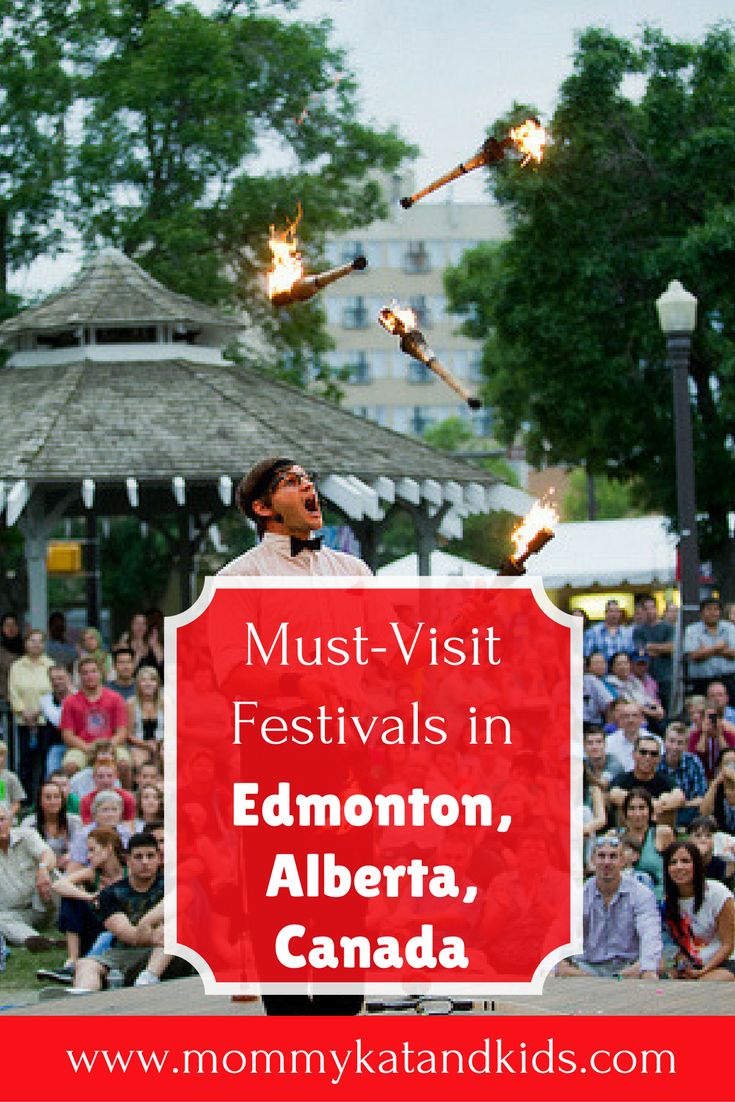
[442, 70]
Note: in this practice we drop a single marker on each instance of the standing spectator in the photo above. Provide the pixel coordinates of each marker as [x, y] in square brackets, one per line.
[718, 698]
[655, 638]
[622, 930]
[56, 826]
[145, 715]
[719, 799]
[709, 646]
[596, 695]
[27, 683]
[155, 619]
[90, 646]
[700, 916]
[51, 705]
[123, 679]
[26, 900]
[12, 791]
[11, 648]
[685, 770]
[136, 637]
[57, 648]
[611, 635]
[710, 741]
[91, 714]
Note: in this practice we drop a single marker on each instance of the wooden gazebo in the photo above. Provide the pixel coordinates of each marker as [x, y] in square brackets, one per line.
[116, 398]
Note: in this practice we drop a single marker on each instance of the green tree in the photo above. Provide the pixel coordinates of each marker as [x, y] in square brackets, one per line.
[180, 106]
[35, 93]
[634, 191]
[612, 499]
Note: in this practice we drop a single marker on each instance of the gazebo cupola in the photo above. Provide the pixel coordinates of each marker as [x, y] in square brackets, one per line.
[115, 312]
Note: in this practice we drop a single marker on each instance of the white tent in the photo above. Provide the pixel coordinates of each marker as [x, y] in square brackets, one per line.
[442, 565]
[632, 551]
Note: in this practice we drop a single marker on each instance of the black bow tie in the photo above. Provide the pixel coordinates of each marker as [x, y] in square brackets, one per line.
[304, 545]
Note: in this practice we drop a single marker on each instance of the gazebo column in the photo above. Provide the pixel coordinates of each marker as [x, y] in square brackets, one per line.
[185, 558]
[35, 534]
[367, 533]
[426, 528]
[92, 569]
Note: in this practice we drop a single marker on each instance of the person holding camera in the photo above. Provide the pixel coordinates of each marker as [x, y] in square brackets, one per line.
[710, 740]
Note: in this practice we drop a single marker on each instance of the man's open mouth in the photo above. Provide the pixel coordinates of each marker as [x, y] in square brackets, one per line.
[311, 504]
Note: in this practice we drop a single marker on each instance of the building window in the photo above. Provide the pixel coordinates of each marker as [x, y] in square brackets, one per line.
[420, 308]
[416, 259]
[354, 313]
[419, 373]
[359, 370]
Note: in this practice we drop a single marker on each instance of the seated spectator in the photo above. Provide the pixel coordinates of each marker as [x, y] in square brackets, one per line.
[719, 800]
[702, 832]
[594, 810]
[602, 765]
[699, 914]
[710, 741]
[653, 708]
[107, 811]
[149, 772]
[26, 900]
[610, 636]
[638, 824]
[82, 782]
[596, 695]
[718, 699]
[632, 851]
[622, 930]
[150, 808]
[145, 715]
[123, 675]
[105, 779]
[622, 682]
[90, 646]
[12, 791]
[685, 770]
[57, 648]
[54, 823]
[621, 743]
[91, 714]
[51, 705]
[122, 908]
[667, 798]
[78, 892]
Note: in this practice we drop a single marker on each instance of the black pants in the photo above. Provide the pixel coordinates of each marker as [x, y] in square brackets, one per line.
[312, 1005]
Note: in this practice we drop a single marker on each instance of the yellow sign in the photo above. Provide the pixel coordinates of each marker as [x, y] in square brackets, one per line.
[64, 557]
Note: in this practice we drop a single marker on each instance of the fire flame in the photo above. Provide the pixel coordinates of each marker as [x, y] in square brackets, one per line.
[542, 515]
[288, 267]
[530, 139]
[396, 320]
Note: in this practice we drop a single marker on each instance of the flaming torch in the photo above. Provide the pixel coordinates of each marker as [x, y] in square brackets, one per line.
[533, 533]
[286, 282]
[413, 343]
[529, 139]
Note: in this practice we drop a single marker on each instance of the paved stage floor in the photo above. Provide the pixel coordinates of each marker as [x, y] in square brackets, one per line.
[585, 996]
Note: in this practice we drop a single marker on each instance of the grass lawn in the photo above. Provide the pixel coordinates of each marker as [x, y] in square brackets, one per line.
[20, 968]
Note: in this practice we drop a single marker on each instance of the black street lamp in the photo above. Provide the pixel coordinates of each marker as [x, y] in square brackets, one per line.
[677, 314]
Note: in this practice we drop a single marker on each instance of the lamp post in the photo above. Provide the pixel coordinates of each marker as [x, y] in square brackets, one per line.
[677, 314]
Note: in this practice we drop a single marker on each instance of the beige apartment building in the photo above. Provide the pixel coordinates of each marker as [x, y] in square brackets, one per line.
[407, 255]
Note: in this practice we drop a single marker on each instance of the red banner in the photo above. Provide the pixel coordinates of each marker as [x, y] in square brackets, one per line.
[373, 787]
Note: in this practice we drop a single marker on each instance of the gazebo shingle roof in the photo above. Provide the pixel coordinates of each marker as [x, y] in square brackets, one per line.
[111, 289]
[111, 421]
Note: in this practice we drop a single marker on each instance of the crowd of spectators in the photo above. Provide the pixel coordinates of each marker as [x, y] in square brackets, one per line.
[81, 809]
[659, 797]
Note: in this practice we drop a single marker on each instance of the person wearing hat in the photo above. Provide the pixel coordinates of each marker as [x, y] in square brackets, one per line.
[281, 498]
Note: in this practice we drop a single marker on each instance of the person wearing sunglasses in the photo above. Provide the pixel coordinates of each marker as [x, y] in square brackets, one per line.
[667, 797]
[281, 498]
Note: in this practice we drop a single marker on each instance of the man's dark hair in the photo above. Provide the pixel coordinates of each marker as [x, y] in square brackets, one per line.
[88, 662]
[703, 822]
[123, 650]
[709, 601]
[143, 840]
[256, 484]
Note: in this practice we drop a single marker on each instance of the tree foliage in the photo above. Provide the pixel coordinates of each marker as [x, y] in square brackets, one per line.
[636, 189]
